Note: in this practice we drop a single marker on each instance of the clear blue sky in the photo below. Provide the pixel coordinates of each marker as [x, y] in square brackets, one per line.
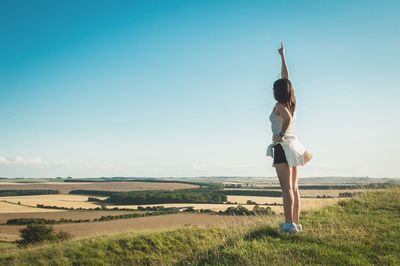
[183, 88]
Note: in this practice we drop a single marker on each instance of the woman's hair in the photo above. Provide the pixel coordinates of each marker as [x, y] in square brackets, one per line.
[284, 94]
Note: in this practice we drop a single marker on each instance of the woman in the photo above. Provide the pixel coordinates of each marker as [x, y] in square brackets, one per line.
[286, 149]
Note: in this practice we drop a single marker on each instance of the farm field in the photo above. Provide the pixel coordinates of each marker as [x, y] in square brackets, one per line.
[196, 206]
[59, 200]
[79, 201]
[74, 215]
[14, 208]
[27, 208]
[66, 187]
[10, 233]
[150, 223]
[306, 203]
[329, 238]
[313, 192]
[330, 192]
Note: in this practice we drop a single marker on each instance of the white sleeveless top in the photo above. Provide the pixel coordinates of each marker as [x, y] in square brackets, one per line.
[294, 149]
[277, 121]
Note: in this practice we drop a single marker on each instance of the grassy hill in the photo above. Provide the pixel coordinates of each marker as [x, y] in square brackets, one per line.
[361, 231]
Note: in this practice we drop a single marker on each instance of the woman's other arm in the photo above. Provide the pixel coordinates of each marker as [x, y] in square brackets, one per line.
[284, 70]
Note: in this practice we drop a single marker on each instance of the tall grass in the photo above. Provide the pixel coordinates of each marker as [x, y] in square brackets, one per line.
[364, 230]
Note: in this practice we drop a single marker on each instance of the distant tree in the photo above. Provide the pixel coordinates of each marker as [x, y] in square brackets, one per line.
[37, 233]
[239, 210]
[263, 211]
[62, 235]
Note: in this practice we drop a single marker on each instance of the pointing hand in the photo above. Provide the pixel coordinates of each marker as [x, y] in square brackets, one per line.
[281, 50]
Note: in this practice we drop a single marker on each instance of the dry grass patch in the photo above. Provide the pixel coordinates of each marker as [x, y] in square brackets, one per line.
[306, 203]
[15, 208]
[141, 224]
[74, 215]
[59, 200]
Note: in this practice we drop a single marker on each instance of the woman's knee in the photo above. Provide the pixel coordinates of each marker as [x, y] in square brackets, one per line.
[287, 188]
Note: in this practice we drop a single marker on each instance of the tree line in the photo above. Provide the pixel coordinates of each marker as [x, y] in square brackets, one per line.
[247, 192]
[166, 196]
[142, 197]
[149, 180]
[26, 192]
[28, 221]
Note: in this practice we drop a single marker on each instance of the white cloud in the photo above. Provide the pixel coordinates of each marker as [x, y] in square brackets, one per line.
[22, 161]
[36, 161]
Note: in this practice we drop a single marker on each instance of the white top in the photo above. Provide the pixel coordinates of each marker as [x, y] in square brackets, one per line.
[277, 121]
[294, 150]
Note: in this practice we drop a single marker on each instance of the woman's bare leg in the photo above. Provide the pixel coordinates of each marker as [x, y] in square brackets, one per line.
[283, 172]
[296, 196]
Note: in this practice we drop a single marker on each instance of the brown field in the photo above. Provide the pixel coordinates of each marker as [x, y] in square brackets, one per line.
[13, 208]
[257, 199]
[330, 192]
[74, 215]
[196, 206]
[317, 192]
[150, 223]
[79, 201]
[11, 232]
[66, 187]
[60, 200]
[306, 203]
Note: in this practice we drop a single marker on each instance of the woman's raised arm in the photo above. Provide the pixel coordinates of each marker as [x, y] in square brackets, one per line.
[284, 71]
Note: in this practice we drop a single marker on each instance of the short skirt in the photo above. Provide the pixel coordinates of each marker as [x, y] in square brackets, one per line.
[293, 150]
[279, 154]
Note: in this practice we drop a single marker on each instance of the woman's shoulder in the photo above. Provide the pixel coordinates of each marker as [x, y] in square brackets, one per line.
[280, 107]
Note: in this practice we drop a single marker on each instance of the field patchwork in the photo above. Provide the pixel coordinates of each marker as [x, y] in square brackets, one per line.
[66, 187]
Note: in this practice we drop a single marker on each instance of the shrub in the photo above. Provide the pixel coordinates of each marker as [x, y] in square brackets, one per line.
[263, 211]
[37, 233]
[25, 221]
[241, 210]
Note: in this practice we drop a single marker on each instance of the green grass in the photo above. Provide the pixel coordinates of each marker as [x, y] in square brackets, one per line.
[361, 231]
[6, 245]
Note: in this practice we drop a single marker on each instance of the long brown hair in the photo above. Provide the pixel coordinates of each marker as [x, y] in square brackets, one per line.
[284, 93]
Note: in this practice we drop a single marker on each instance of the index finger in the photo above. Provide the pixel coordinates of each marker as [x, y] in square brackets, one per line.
[281, 44]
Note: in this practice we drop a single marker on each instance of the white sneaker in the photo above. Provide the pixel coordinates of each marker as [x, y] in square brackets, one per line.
[299, 227]
[289, 228]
